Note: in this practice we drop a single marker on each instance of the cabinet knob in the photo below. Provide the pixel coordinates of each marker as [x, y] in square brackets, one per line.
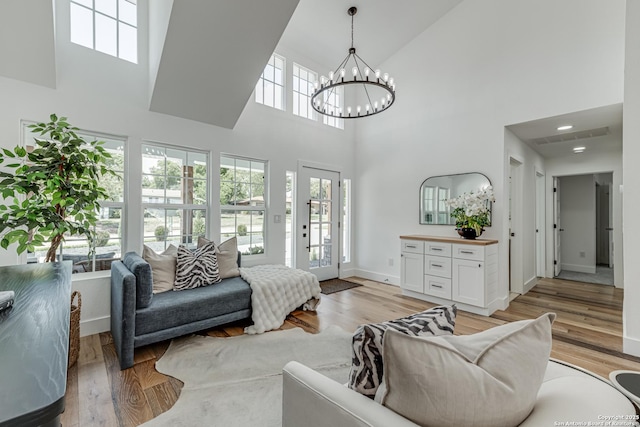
[479, 265]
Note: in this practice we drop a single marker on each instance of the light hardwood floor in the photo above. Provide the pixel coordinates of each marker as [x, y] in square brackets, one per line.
[587, 333]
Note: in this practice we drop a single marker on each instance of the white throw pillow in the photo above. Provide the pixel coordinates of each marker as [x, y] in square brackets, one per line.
[163, 267]
[488, 379]
[227, 253]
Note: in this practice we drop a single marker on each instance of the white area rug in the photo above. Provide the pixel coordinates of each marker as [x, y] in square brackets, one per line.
[238, 381]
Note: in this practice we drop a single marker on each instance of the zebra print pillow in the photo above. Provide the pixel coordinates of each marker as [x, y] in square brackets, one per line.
[197, 268]
[366, 366]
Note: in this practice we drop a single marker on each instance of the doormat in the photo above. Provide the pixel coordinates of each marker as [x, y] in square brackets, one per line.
[336, 285]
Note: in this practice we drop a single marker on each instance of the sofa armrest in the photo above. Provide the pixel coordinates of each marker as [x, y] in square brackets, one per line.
[123, 312]
[310, 399]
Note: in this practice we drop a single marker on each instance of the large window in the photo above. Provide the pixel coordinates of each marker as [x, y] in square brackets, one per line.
[334, 100]
[174, 196]
[303, 80]
[270, 87]
[243, 203]
[108, 242]
[346, 220]
[290, 204]
[108, 26]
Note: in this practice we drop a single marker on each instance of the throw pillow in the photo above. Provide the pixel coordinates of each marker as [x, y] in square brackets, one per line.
[197, 268]
[227, 253]
[489, 379]
[163, 267]
[367, 366]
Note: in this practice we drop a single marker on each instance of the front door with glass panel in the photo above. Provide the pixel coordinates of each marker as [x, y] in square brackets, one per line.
[318, 234]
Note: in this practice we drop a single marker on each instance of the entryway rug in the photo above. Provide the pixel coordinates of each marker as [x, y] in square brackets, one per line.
[237, 381]
[336, 285]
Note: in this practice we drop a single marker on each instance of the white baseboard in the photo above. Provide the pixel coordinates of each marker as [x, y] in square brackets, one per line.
[631, 346]
[95, 326]
[372, 275]
[529, 284]
[348, 272]
[591, 269]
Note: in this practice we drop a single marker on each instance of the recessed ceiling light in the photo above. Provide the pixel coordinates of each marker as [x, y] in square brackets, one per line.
[565, 127]
[579, 149]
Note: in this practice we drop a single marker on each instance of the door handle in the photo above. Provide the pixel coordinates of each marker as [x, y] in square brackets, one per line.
[513, 234]
[609, 228]
[562, 229]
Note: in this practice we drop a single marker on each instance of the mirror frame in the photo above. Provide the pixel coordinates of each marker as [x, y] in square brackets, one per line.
[450, 221]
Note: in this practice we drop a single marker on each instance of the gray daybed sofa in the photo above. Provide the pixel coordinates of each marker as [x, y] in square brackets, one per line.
[139, 317]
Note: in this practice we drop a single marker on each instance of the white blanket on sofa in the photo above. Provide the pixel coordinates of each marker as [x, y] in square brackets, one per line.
[277, 291]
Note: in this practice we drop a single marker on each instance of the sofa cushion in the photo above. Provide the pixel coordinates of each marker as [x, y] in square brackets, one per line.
[196, 268]
[367, 366]
[163, 267]
[227, 253]
[144, 283]
[171, 309]
[489, 379]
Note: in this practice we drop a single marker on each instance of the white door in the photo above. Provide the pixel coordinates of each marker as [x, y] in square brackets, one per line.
[610, 227]
[318, 233]
[516, 257]
[540, 229]
[557, 231]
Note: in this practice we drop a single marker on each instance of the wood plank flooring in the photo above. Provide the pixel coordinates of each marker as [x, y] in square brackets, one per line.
[587, 333]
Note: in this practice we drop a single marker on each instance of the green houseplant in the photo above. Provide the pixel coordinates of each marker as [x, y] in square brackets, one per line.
[53, 189]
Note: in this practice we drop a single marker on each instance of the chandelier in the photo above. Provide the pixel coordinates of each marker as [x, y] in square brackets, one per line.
[376, 90]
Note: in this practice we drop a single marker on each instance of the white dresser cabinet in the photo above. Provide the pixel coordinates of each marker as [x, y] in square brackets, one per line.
[445, 271]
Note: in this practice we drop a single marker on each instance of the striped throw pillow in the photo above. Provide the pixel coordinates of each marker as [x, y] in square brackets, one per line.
[366, 366]
[197, 268]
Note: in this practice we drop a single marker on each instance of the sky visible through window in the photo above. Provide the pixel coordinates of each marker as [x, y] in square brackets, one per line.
[108, 26]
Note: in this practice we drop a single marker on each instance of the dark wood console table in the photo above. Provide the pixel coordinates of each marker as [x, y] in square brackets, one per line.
[34, 341]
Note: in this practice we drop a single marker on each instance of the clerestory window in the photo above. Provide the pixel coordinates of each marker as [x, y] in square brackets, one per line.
[108, 26]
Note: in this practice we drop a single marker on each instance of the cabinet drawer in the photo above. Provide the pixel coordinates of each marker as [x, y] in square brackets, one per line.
[437, 286]
[437, 266]
[439, 249]
[474, 253]
[413, 246]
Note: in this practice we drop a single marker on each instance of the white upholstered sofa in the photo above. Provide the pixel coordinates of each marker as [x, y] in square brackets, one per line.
[568, 394]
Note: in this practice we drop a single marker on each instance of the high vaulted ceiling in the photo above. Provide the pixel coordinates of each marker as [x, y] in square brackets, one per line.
[381, 27]
[206, 55]
[215, 50]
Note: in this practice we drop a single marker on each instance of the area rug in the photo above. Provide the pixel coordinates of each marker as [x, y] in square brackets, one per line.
[336, 285]
[237, 381]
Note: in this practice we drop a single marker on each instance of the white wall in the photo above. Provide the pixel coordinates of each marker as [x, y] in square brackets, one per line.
[578, 222]
[482, 66]
[631, 148]
[532, 162]
[101, 93]
[588, 163]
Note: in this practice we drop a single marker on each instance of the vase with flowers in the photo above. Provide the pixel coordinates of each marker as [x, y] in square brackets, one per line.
[471, 211]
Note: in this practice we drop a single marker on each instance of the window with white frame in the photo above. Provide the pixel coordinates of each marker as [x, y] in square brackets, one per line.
[174, 196]
[270, 86]
[108, 26]
[108, 242]
[346, 220]
[333, 100]
[243, 214]
[303, 80]
[289, 217]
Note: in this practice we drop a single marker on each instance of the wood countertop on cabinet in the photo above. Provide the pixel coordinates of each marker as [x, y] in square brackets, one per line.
[458, 240]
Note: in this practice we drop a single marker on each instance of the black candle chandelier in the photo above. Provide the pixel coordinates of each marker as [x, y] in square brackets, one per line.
[375, 89]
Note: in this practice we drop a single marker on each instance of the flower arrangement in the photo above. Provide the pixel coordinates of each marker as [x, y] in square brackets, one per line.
[471, 210]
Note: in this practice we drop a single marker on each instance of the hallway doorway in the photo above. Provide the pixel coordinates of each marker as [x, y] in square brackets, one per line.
[583, 231]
